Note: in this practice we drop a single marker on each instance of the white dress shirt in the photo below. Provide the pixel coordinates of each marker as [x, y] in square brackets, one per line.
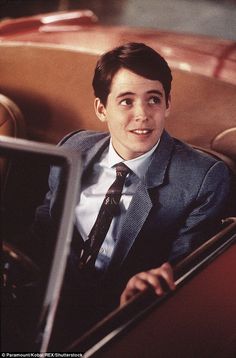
[94, 190]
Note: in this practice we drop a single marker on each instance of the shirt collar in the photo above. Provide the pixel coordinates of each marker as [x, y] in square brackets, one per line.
[138, 165]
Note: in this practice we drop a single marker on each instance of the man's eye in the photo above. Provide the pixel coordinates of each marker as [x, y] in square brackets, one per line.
[154, 100]
[126, 102]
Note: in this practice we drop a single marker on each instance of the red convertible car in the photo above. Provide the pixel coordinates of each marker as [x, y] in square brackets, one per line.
[46, 68]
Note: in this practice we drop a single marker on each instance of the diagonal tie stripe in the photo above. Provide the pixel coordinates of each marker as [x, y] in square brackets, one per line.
[106, 213]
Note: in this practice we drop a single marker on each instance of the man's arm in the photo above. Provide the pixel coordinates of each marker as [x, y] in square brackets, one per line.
[210, 207]
[44, 229]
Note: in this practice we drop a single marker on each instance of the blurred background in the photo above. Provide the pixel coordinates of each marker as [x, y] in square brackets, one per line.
[206, 17]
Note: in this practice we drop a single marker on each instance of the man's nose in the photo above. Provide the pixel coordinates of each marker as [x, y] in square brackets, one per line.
[140, 112]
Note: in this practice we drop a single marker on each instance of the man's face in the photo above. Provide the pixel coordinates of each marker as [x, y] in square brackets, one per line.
[135, 113]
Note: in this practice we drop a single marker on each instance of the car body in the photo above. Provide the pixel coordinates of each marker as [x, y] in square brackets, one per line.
[81, 30]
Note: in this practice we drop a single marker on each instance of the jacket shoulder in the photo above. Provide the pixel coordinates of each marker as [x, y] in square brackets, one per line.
[82, 140]
[188, 155]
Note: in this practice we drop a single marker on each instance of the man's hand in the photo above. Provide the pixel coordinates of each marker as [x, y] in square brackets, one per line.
[143, 280]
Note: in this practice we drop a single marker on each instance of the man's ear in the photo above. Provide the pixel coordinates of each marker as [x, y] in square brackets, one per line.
[168, 107]
[100, 109]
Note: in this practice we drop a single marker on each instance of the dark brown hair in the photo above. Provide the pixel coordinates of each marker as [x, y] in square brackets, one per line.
[136, 57]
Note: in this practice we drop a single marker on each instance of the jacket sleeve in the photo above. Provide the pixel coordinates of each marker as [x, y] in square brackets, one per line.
[204, 220]
[44, 227]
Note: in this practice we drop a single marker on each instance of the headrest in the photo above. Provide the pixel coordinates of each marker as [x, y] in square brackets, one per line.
[11, 119]
[225, 142]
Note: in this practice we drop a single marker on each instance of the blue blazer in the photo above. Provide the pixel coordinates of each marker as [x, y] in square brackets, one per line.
[178, 205]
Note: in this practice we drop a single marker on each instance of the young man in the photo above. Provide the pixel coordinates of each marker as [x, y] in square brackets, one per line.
[172, 198]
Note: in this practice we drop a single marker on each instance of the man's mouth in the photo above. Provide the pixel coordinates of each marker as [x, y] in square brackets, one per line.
[141, 131]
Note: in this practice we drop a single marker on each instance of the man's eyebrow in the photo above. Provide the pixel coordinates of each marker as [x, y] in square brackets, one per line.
[155, 92]
[128, 93]
[123, 94]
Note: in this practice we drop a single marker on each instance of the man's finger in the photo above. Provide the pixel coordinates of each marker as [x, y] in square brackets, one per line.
[134, 285]
[166, 272]
[153, 280]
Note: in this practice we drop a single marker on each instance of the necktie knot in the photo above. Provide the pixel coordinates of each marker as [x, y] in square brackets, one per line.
[121, 170]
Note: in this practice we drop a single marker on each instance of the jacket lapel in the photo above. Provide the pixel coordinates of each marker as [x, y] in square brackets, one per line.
[94, 152]
[141, 203]
[136, 216]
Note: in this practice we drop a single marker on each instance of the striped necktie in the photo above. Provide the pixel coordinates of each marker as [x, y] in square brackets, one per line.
[107, 211]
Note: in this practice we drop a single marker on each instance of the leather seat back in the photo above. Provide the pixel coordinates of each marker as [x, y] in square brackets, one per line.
[53, 88]
[52, 85]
